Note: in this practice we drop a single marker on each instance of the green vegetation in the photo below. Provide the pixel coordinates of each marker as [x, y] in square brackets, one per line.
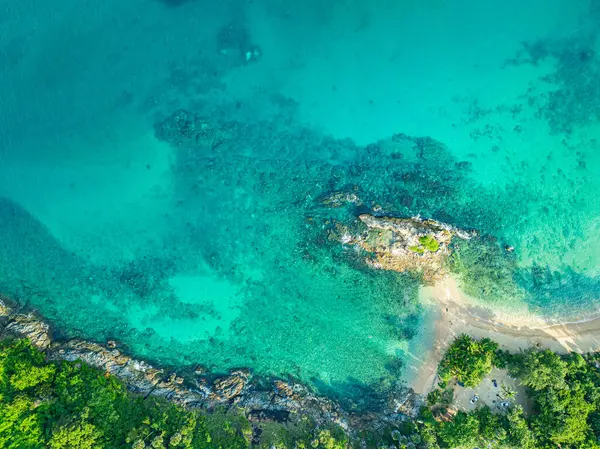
[426, 243]
[468, 360]
[429, 243]
[540, 369]
[438, 396]
[69, 405]
[563, 391]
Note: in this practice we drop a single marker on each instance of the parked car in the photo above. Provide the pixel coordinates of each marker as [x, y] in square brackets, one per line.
[474, 399]
[495, 383]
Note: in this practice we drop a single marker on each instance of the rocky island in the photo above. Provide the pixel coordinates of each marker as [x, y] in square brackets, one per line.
[415, 245]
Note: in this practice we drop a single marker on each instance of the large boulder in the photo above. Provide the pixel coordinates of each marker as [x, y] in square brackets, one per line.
[228, 387]
[29, 326]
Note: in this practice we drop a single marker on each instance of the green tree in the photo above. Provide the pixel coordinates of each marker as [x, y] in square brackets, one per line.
[326, 440]
[468, 360]
[22, 367]
[461, 432]
[519, 435]
[562, 417]
[78, 434]
[540, 369]
[20, 426]
[507, 392]
[491, 431]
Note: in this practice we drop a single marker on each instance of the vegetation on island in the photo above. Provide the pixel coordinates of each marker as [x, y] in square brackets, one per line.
[70, 405]
[60, 405]
[426, 243]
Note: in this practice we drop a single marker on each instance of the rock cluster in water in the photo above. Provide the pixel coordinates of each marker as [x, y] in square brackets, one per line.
[274, 399]
[413, 245]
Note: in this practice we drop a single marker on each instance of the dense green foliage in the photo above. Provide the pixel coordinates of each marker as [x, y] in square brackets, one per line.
[563, 393]
[478, 428]
[468, 360]
[68, 405]
[426, 243]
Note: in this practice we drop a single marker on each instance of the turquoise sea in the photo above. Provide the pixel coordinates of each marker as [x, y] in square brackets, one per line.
[211, 247]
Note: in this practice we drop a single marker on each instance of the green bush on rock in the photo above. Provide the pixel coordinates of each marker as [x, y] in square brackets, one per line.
[426, 243]
[429, 243]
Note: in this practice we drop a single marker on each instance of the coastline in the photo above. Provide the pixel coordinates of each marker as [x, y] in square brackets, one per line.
[452, 313]
[260, 398]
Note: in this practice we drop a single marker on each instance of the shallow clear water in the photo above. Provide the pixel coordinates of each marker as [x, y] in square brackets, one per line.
[217, 253]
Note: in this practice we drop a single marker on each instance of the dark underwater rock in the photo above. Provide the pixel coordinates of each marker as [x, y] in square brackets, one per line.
[340, 198]
[184, 129]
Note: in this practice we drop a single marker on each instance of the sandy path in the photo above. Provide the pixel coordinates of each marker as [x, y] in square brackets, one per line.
[453, 313]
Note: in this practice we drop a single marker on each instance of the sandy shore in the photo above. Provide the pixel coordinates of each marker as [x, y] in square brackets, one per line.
[453, 313]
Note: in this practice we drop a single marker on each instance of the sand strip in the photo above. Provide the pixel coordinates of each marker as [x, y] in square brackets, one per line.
[452, 313]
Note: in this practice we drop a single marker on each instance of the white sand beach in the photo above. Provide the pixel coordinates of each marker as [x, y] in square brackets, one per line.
[454, 313]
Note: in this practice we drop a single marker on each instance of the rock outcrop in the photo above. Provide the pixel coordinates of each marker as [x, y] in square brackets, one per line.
[28, 326]
[402, 244]
[340, 198]
[262, 399]
[227, 388]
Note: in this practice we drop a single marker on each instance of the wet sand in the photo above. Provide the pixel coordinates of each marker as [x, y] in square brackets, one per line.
[453, 313]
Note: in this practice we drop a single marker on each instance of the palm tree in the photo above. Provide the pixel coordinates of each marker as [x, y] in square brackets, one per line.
[507, 392]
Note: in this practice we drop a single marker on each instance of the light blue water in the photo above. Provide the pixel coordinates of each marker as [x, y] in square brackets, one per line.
[215, 251]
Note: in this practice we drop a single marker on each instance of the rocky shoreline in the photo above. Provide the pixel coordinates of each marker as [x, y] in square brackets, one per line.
[261, 399]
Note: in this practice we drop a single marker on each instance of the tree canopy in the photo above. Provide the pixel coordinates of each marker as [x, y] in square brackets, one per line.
[468, 360]
[70, 405]
[564, 391]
